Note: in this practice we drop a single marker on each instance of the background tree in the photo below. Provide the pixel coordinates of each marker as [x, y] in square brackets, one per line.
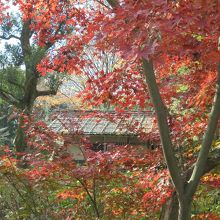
[26, 42]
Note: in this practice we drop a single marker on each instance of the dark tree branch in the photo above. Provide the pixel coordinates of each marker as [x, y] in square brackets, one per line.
[31, 33]
[10, 98]
[103, 4]
[25, 39]
[46, 92]
[3, 37]
[90, 197]
[7, 92]
[16, 84]
[113, 3]
[161, 113]
[171, 207]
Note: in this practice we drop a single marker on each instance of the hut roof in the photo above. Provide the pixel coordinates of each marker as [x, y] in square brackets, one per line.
[101, 122]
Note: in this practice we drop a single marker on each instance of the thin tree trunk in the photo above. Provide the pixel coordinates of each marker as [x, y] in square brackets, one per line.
[184, 192]
[20, 144]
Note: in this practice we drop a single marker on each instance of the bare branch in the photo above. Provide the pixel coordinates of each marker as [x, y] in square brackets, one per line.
[10, 98]
[16, 84]
[46, 92]
[3, 37]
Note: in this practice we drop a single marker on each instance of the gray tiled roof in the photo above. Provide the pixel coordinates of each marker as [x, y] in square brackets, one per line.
[100, 122]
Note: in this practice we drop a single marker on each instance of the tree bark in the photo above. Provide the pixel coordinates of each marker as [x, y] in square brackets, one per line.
[185, 206]
[161, 113]
[176, 210]
[185, 190]
[20, 139]
[170, 209]
[19, 142]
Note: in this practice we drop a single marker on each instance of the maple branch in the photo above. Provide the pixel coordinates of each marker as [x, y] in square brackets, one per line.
[13, 184]
[170, 208]
[207, 141]
[90, 197]
[161, 113]
[79, 86]
[53, 88]
[163, 126]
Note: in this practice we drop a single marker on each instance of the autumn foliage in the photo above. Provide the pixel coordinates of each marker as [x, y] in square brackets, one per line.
[117, 177]
[181, 41]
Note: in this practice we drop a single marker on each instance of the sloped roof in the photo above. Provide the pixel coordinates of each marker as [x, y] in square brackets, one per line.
[101, 123]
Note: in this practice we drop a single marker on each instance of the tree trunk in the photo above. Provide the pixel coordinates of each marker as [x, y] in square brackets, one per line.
[185, 209]
[175, 210]
[170, 209]
[20, 138]
[19, 142]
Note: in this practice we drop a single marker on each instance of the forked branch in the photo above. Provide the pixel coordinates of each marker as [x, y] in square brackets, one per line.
[163, 126]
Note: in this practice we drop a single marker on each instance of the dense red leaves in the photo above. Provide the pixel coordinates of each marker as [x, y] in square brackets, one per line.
[122, 88]
[182, 40]
[51, 20]
[158, 187]
[172, 34]
[65, 59]
[188, 91]
[149, 28]
[59, 27]
[153, 29]
[142, 170]
[180, 37]
[38, 174]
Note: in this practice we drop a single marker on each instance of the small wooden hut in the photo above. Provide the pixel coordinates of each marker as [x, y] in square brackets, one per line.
[103, 128]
